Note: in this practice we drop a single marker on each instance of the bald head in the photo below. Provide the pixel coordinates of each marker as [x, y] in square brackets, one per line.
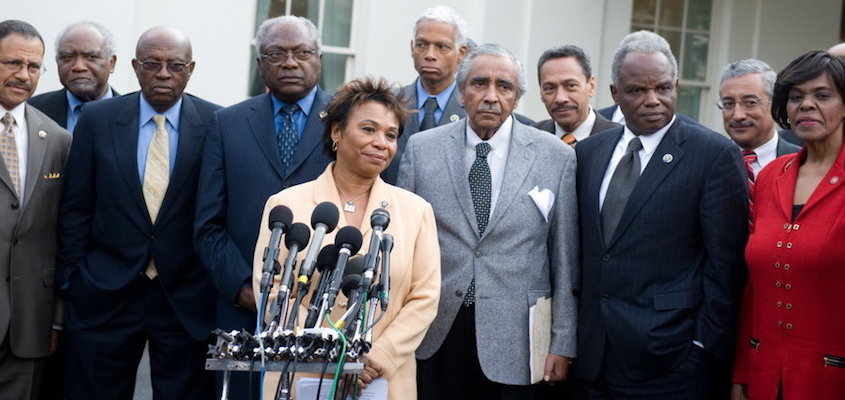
[163, 64]
[837, 50]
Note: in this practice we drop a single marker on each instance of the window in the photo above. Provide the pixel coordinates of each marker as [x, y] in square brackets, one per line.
[334, 20]
[685, 24]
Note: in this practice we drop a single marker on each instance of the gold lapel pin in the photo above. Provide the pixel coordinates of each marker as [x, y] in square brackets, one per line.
[667, 158]
[42, 134]
[454, 117]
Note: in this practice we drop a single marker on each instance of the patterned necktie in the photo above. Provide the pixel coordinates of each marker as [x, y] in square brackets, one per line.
[429, 107]
[750, 157]
[156, 175]
[9, 150]
[621, 185]
[569, 139]
[287, 136]
[480, 186]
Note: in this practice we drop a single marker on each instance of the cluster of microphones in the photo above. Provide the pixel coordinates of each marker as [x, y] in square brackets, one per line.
[289, 336]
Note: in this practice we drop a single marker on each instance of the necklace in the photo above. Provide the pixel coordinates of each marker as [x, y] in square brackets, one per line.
[349, 205]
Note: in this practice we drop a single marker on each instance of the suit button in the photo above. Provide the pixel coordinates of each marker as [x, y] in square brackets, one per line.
[788, 326]
[788, 286]
[779, 323]
[605, 297]
[780, 303]
[459, 293]
[478, 254]
[777, 265]
[786, 267]
[777, 284]
[788, 306]
[15, 205]
[605, 257]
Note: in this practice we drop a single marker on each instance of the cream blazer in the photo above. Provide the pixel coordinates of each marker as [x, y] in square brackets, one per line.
[414, 270]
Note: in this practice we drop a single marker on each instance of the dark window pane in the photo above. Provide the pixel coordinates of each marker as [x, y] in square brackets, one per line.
[698, 14]
[674, 39]
[334, 71]
[671, 13]
[644, 12]
[689, 99]
[695, 57]
[337, 23]
[306, 8]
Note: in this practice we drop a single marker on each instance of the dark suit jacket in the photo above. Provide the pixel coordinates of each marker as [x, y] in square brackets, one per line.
[106, 236]
[28, 240]
[54, 104]
[673, 270]
[785, 147]
[601, 124]
[241, 169]
[790, 137]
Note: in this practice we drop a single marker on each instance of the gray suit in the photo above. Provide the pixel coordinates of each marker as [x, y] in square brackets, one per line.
[28, 242]
[520, 257]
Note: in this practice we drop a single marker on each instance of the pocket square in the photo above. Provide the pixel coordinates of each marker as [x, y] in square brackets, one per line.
[52, 175]
[543, 199]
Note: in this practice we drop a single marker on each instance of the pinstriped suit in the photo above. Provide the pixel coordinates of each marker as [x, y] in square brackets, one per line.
[673, 270]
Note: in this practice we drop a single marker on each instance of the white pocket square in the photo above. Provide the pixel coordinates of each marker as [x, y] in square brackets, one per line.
[544, 199]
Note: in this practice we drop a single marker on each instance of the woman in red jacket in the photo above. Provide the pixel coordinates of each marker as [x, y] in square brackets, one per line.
[791, 343]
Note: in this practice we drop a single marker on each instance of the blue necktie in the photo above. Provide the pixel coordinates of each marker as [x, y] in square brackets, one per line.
[287, 136]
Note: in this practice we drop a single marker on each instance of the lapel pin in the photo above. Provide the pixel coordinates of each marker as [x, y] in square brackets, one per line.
[42, 134]
[323, 114]
[667, 158]
[384, 204]
[834, 180]
[454, 117]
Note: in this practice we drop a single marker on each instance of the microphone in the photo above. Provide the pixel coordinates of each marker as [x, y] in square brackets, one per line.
[351, 288]
[379, 221]
[348, 241]
[323, 220]
[326, 261]
[295, 241]
[279, 220]
[386, 248]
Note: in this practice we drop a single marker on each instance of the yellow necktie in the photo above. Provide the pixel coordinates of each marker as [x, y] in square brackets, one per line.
[9, 150]
[156, 176]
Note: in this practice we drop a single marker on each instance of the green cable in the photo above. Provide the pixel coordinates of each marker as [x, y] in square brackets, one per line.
[340, 361]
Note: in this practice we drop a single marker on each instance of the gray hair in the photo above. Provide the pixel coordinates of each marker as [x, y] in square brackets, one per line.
[751, 66]
[491, 49]
[446, 15]
[264, 29]
[108, 37]
[642, 42]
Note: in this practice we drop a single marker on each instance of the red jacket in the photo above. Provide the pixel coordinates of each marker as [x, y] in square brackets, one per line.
[792, 324]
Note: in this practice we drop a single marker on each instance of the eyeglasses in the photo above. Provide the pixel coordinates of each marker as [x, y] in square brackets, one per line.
[15, 66]
[155, 66]
[280, 57]
[729, 104]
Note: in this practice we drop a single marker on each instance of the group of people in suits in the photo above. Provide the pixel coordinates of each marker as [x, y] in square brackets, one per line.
[149, 227]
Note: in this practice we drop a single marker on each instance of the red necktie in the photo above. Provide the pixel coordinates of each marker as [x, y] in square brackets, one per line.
[750, 157]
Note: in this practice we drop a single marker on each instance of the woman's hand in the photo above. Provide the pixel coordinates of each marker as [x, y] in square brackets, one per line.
[738, 392]
[371, 371]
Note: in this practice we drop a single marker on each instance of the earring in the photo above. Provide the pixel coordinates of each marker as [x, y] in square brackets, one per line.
[334, 147]
[788, 121]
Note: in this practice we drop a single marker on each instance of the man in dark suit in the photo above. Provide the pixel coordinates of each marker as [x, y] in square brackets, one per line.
[663, 228]
[128, 269]
[438, 47]
[85, 59]
[566, 86]
[255, 149]
[33, 150]
[508, 238]
[745, 98]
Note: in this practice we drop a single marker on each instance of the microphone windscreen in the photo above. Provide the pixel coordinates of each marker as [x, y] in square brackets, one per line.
[350, 283]
[327, 258]
[354, 266]
[380, 218]
[349, 236]
[280, 217]
[327, 214]
[299, 234]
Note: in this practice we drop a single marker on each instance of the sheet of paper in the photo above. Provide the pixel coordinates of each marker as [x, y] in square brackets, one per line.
[306, 389]
[539, 336]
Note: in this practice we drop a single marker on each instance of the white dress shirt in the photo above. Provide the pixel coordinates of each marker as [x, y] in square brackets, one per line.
[21, 135]
[582, 131]
[649, 142]
[500, 144]
[766, 153]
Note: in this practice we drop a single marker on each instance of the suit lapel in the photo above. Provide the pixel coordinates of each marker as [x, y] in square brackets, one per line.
[455, 164]
[828, 185]
[262, 126]
[596, 165]
[123, 130]
[37, 144]
[191, 131]
[653, 175]
[413, 125]
[785, 185]
[453, 109]
[520, 159]
[312, 135]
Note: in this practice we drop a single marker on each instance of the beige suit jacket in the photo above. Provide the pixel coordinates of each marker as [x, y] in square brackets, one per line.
[415, 270]
[28, 239]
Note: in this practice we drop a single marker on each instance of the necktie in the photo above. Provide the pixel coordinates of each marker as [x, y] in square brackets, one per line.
[77, 110]
[429, 107]
[750, 157]
[9, 150]
[569, 139]
[621, 185]
[480, 186]
[287, 136]
[156, 176]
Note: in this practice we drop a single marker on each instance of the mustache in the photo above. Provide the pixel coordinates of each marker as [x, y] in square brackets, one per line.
[488, 107]
[741, 124]
[19, 84]
[564, 107]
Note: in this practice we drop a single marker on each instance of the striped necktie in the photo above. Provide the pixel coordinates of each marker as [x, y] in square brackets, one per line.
[156, 176]
[287, 136]
[750, 157]
[9, 150]
[569, 139]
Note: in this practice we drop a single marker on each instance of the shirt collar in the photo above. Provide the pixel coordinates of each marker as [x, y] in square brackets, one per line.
[18, 112]
[499, 142]
[650, 141]
[172, 114]
[73, 102]
[442, 98]
[583, 130]
[767, 152]
[304, 103]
